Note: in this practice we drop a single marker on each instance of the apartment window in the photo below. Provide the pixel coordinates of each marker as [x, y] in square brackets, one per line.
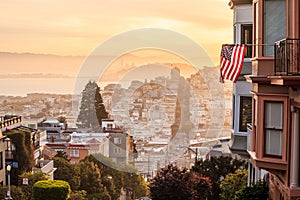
[245, 113]
[247, 38]
[74, 153]
[274, 23]
[117, 150]
[273, 128]
[117, 140]
[109, 126]
[32, 126]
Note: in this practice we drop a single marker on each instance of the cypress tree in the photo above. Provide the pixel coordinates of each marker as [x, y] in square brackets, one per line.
[92, 109]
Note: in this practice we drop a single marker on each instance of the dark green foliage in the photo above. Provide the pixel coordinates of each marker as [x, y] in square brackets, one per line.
[32, 179]
[90, 180]
[51, 189]
[22, 154]
[78, 195]
[257, 191]
[134, 184]
[108, 168]
[16, 192]
[114, 180]
[92, 109]
[172, 183]
[99, 196]
[67, 172]
[62, 154]
[216, 169]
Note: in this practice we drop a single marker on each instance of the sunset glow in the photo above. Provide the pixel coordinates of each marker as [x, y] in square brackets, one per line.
[77, 27]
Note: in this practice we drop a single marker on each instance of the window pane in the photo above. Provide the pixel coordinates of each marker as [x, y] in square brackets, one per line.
[117, 140]
[273, 142]
[247, 39]
[273, 115]
[245, 112]
[274, 23]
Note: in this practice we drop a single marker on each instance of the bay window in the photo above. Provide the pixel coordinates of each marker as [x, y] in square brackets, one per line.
[273, 128]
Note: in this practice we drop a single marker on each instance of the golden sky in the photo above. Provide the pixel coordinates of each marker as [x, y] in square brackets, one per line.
[77, 27]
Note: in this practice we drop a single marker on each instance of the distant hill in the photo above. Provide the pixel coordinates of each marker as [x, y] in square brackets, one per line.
[16, 63]
[33, 75]
[29, 65]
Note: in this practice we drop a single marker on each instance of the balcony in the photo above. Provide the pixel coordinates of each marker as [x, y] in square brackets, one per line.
[9, 122]
[287, 57]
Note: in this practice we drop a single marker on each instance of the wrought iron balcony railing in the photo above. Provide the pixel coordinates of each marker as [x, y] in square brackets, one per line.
[287, 57]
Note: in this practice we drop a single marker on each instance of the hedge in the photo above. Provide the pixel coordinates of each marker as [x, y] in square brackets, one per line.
[51, 189]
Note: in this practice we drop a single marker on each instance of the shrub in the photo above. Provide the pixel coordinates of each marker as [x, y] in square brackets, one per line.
[256, 191]
[51, 189]
[16, 192]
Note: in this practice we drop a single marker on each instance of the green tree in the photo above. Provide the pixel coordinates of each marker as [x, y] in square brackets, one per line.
[178, 184]
[51, 189]
[112, 178]
[32, 179]
[216, 168]
[232, 183]
[62, 154]
[134, 184]
[22, 153]
[67, 172]
[256, 191]
[92, 109]
[78, 195]
[91, 180]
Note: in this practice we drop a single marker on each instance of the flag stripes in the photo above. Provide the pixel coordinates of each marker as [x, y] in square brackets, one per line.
[231, 62]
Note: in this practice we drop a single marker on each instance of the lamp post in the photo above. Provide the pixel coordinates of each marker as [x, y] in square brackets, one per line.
[8, 168]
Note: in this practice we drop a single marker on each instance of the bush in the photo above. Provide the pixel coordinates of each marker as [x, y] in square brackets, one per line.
[16, 192]
[232, 183]
[78, 195]
[51, 189]
[32, 179]
[256, 191]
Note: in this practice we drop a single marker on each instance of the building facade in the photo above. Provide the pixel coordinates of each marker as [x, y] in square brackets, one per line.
[241, 97]
[276, 95]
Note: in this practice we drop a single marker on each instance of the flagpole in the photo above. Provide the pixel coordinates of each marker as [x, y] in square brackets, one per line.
[258, 44]
[250, 44]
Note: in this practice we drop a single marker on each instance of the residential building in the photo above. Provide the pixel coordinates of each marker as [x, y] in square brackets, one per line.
[242, 97]
[2, 159]
[276, 95]
[120, 142]
[77, 152]
[45, 166]
[84, 144]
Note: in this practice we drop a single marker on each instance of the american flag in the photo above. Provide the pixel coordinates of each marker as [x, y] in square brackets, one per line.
[232, 58]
